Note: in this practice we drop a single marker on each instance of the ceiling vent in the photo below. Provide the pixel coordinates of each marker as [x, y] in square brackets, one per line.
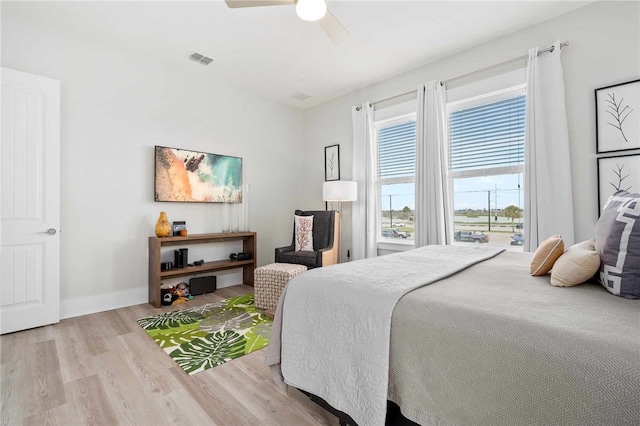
[300, 96]
[201, 59]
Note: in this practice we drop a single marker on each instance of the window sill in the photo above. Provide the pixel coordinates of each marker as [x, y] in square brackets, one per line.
[403, 245]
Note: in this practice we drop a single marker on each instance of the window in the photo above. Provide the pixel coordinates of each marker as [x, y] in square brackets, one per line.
[486, 165]
[395, 132]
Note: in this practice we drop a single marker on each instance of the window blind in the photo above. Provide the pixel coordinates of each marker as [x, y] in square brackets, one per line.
[397, 150]
[488, 136]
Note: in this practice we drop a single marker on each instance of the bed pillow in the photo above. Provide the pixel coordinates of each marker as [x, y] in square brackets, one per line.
[546, 254]
[618, 244]
[303, 233]
[576, 265]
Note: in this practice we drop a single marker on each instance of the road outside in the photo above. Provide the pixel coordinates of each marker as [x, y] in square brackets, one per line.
[500, 234]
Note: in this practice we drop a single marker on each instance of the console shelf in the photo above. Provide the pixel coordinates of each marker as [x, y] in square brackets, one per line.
[156, 243]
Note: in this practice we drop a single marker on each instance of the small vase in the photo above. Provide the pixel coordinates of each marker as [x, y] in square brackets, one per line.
[244, 210]
[234, 219]
[163, 228]
[226, 217]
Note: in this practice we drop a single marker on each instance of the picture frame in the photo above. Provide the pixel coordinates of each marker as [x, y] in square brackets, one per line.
[332, 162]
[178, 226]
[186, 176]
[618, 117]
[617, 173]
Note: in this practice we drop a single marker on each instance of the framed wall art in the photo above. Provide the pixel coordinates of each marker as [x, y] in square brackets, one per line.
[617, 173]
[197, 177]
[332, 162]
[618, 117]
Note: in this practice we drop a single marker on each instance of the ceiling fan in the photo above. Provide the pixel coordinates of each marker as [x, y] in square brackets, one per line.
[309, 10]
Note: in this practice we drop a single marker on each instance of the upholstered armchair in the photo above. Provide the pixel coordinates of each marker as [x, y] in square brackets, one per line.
[326, 228]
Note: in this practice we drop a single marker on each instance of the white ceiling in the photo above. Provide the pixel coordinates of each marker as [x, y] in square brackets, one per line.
[269, 51]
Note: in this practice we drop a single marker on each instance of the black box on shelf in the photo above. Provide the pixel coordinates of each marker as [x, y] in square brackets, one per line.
[202, 285]
[181, 258]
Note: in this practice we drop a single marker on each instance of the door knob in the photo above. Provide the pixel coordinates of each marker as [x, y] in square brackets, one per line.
[49, 231]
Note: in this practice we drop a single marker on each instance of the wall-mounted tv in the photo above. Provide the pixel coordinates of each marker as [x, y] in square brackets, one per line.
[197, 177]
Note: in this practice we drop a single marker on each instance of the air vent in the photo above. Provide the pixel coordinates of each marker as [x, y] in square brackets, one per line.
[300, 96]
[201, 59]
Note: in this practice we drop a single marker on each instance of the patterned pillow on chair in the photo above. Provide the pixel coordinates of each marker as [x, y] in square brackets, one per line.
[618, 244]
[304, 233]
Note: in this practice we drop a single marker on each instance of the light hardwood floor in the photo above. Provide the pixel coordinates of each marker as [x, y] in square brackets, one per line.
[103, 369]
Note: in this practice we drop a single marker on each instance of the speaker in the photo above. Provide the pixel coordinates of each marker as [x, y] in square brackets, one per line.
[177, 259]
[202, 285]
[181, 258]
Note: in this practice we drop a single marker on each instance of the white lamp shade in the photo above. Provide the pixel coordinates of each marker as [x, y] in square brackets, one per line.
[311, 10]
[340, 190]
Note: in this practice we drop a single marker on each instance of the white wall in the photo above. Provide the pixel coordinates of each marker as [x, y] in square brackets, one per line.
[115, 108]
[604, 49]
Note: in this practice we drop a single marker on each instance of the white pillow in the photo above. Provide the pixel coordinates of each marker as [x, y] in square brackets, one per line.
[304, 233]
[576, 265]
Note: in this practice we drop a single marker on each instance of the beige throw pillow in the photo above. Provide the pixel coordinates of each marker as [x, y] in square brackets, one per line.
[576, 265]
[304, 233]
[546, 254]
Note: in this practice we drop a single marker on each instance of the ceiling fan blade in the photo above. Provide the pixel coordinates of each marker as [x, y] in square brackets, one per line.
[232, 4]
[334, 29]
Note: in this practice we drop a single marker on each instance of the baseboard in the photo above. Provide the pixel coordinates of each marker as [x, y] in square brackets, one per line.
[87, 305]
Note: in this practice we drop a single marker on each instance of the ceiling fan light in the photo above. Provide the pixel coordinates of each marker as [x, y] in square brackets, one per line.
[311, 10]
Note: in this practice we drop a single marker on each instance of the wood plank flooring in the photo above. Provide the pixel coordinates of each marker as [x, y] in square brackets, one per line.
[103, 369]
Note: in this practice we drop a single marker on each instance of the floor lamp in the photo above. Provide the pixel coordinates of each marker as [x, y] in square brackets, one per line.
[339, 190]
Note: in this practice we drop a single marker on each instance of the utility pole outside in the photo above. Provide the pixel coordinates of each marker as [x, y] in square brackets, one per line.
[489, 208]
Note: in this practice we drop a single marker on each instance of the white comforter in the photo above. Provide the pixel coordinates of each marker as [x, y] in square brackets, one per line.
[334, 337]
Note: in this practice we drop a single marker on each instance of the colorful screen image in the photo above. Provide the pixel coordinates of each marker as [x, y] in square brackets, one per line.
[190, 176]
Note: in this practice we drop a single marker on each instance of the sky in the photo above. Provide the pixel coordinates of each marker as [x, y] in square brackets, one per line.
[468, 193]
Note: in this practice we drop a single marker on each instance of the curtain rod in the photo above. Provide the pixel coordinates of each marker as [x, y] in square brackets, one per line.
[501, 64]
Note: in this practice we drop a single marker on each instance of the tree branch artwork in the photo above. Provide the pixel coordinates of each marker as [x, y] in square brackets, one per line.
[332, 163]
[619, 173]
[618, 113]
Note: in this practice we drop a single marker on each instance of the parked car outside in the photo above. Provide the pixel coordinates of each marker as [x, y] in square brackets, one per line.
[394, 233]
[519, 226]
[471, 236]
[517, 239]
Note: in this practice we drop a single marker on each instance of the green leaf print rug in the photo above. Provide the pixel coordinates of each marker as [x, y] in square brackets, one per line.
[206, 336]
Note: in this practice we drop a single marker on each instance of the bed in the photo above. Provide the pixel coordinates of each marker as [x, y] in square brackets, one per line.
[507, 348]
[466, 335]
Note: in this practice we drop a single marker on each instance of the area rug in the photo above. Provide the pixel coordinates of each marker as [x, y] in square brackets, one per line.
[206, 336]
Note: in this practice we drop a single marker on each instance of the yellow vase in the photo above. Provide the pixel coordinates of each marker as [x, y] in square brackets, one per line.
[163, 228]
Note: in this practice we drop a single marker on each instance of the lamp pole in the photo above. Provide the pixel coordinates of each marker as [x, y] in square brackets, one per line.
[339, 230]
[339, 191]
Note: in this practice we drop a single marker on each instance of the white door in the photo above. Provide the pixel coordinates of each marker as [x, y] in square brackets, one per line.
[29, 201]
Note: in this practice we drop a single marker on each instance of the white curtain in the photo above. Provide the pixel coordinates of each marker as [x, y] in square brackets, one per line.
[548, 206]
[364, 210]
[433, 219]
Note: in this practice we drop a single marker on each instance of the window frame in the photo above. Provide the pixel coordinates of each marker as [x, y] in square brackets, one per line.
[388, 117]
[462, 104]
[506, 86]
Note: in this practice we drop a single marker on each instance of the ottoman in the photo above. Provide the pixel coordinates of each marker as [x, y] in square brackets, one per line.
[269, 280]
